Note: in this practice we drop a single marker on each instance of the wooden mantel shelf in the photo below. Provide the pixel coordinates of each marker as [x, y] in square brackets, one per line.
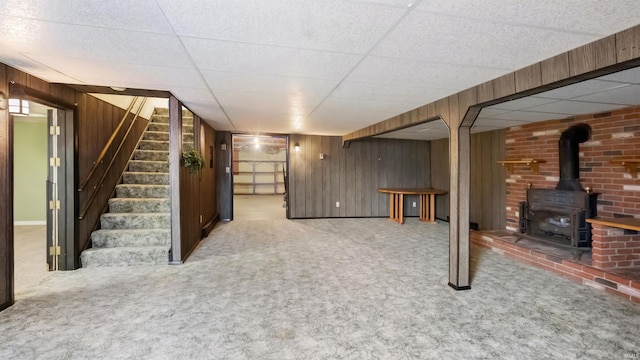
[532, 163]
[631, 164]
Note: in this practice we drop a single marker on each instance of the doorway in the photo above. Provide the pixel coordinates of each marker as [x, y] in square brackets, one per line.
[259, 165]
[43, 193]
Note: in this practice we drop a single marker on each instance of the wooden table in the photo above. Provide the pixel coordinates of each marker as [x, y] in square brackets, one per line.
[427, 202]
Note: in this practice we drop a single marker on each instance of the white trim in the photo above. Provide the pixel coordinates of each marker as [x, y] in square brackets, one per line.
[34, 222]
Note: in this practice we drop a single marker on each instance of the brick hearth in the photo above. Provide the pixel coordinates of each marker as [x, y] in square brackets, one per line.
[621, 282]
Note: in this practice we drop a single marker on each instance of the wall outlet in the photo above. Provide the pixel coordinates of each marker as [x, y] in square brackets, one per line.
[414, 204]
[227, 169]
[337, 203]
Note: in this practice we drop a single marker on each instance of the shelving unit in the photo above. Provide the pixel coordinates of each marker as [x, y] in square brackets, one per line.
[630, 164]
[532, 163]
[258, 177]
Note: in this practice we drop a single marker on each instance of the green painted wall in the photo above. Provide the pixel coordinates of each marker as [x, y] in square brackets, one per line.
[30, 169]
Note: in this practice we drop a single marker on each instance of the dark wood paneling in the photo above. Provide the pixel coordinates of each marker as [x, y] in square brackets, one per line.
[6, 201]
[224, 181]
[209, 202]
[440, 175]
[486, 199]
[352, 175]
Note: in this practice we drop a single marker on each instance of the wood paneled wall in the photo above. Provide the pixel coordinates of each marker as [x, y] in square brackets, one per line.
[352, 175]
[209, 194]
[487, 192]
[6, 201]
[224, 178]
[97, 121]
[488, 187]
[440, 175]
[198, 203]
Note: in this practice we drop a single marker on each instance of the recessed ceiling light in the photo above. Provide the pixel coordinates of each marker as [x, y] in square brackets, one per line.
[117, 88]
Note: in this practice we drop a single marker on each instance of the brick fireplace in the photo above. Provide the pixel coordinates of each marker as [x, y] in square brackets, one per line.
[614, 265]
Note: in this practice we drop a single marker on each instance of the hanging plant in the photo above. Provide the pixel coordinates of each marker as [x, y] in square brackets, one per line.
[192, 160]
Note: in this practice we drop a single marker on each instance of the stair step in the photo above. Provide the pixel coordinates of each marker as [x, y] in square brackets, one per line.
[154, 145]
[109, 238]
[139, 205]
[135, 221]
[151, 155]
[156, 135]
[164, 119]
[148, 166]
[148, 178]
[142, 191]
[164, 127]
[125, 256]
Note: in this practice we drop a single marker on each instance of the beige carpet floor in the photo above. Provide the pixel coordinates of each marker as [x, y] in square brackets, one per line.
[318, 289]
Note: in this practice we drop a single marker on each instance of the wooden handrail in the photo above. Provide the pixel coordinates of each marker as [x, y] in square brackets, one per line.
[108, 145]
[84, 211]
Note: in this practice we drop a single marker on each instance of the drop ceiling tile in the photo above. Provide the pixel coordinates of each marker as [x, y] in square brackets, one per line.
[447, 39]
[580, 89]
[496, 123]
[293, 88]
[358, 90]
[87, 42]
[128, 75]
[519, 104]
[530, 116]
[481, 129]
[627, 95]
[322, 25]
[570, 107]
[401, 72]
[596, 17]
[142, 15]
[488, 112]
[630, 76]
[269, 60]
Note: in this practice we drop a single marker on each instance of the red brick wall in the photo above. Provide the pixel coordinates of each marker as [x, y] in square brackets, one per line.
[614, 134]
[612, 248]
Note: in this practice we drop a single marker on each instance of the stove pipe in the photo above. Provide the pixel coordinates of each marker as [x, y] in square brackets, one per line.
[568, 153]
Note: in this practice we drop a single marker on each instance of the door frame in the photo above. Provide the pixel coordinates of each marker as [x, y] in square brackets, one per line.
[67, 179]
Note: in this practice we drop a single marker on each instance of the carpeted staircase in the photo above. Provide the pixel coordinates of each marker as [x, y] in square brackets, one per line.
[136, 228]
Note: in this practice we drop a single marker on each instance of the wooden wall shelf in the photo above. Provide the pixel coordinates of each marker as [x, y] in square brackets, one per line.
[631, 164]
[532, 163]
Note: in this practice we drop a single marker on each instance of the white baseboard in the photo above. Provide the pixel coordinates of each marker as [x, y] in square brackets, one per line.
[25, 223]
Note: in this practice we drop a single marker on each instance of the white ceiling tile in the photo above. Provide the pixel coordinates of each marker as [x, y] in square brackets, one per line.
[127, 75]
[530, 116]
[270, 60]
[481, 129]
[284, 85]
[574, 107]
[87, 42]
[322, 25]
[449, 40]
[488, 112]
[400, 72]
[142, 15]
[580, 89]
[358, 90]
[627, 95]
[591, 16]
[497, 123]
[630, 76]
[519, 104]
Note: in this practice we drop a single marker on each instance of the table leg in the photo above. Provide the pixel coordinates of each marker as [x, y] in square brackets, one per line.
[392, 214]
[423, 207]
[401, 209]
[432, 207]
